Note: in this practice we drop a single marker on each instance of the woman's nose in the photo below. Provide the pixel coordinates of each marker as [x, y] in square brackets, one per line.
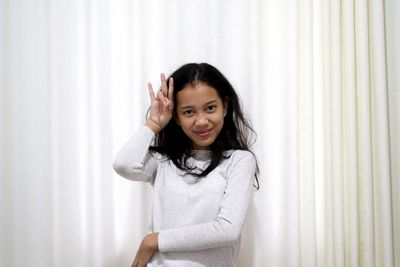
[201, 120]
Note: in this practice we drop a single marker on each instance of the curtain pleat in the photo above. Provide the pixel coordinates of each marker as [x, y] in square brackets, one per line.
[306, 171]
[392, 57]
[349, 144]
[380, 137]
[366, 212]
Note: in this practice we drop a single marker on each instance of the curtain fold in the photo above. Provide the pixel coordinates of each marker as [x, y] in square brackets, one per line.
[318, 79]
[392, 41]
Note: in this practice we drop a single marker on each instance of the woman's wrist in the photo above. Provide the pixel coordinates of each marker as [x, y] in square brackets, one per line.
[153, 126]
[151, 241]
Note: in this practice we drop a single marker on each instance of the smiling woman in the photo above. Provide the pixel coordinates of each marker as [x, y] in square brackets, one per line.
[200, 113]
[195, 152]
[177, 141]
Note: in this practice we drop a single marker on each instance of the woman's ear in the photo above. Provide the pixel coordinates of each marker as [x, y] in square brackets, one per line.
[176, 120]
[225, 104]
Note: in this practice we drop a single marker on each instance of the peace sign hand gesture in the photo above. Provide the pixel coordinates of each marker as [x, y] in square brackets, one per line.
[161, 105]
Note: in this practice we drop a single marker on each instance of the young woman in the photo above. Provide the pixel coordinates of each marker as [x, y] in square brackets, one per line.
[194, 150]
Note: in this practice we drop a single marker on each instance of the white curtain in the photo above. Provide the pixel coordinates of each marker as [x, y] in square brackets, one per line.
[319, 79]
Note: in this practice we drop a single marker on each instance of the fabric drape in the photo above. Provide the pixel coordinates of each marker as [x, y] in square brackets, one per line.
[318, 79]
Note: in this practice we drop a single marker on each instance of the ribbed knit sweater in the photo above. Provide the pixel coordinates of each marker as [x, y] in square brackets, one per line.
[199, 220]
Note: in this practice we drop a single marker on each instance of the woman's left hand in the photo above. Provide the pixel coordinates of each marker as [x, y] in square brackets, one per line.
[146, 250]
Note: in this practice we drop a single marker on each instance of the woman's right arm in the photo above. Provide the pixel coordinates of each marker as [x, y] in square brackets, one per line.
[133, 161]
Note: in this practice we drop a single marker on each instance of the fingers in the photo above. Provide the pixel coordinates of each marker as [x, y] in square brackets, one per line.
[165, 94]
[161, 97]
[167, 90]
[171, 89]
[164, 87]
[151, 92]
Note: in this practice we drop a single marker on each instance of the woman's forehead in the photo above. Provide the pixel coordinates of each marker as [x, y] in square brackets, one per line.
[198, 95]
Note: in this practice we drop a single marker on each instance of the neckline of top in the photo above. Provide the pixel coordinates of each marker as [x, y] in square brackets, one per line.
[201, 154]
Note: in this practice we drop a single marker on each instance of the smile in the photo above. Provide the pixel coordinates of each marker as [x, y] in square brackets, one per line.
[203, 133]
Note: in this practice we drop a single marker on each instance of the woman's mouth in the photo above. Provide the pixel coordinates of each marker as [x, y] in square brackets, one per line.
[205, 133]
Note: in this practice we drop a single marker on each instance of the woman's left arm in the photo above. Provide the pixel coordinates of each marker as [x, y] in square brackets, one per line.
[227, 227]
[146, 250]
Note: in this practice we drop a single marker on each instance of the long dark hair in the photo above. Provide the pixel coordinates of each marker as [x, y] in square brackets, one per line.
[235, 134]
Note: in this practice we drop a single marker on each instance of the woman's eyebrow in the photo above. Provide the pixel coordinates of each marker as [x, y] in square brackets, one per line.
[211, 102]
[206, 104]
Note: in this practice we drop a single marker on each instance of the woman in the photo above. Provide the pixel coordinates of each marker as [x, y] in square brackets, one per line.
[194, 150]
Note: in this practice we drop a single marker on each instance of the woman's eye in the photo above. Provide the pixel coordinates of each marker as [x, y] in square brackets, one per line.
[211, 108]
[188, 112]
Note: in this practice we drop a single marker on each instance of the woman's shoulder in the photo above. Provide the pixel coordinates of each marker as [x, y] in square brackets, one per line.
[241, 163]
[235, 156]
[239, 153]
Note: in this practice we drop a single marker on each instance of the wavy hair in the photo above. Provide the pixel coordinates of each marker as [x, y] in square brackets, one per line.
[236, 132]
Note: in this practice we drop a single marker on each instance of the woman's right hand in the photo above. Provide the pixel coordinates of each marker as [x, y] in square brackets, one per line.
[162, 105]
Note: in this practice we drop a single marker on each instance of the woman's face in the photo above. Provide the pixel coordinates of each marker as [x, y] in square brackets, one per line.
[200, 114]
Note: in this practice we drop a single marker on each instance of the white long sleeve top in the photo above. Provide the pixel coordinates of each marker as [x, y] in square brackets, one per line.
[199, 220]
